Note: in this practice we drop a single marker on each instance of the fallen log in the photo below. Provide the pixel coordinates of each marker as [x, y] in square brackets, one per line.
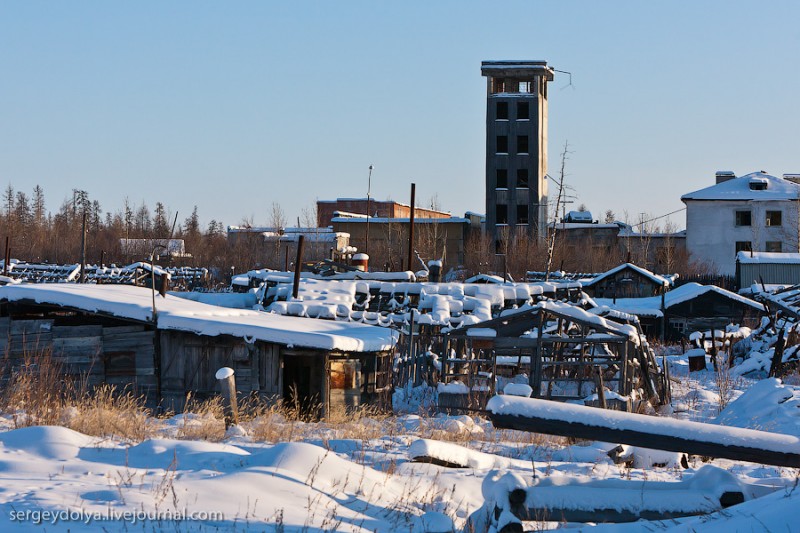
[619, 500]
[712, 440]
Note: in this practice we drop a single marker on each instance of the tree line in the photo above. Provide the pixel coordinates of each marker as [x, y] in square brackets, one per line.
[38, 235]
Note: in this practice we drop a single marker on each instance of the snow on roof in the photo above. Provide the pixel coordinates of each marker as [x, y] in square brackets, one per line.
[651, 305]
[768, 257]
[655, 278]
[580, 314]
[739, 189]
[135, 303]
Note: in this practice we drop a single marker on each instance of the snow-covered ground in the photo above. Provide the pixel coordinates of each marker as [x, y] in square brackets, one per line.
[364, 475]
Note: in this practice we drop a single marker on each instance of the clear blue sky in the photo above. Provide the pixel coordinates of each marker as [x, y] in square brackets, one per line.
[231, 106]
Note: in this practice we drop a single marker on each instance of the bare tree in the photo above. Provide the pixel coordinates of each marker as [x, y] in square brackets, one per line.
[551, 239]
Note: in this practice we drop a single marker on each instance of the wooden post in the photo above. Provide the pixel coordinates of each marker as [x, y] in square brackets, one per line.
[227, 384]
[6, 257]
[297, 267]
[83, 249]
[601, 389]
[411, 227]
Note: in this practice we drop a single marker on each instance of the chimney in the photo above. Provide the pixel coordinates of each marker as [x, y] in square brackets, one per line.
[724, 175]
[361, 262]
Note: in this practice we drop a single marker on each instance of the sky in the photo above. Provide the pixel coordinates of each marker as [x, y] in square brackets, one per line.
[235, 106]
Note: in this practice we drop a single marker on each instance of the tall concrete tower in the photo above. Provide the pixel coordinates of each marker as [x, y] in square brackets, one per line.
[516, 148]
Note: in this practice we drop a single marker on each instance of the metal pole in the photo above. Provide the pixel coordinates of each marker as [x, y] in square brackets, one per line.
[411, 226]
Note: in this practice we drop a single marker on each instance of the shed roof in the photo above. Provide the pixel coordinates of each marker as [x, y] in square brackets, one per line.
[135, 303]
[655, 278]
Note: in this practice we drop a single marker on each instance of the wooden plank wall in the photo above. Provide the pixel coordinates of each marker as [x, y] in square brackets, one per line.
[189, 363]
[81, 351]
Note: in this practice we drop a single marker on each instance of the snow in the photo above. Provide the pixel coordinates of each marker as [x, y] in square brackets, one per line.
[768, 257]
[174, 313]
[324, 482]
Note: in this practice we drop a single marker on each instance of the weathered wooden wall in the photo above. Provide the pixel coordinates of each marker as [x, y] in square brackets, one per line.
[85, 351]
[189, 362]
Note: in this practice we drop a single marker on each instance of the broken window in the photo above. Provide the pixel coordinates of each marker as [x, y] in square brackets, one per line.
[522, 178]
[522, 214]
[502, 144]
[522, 144]
[773, 246]
[524, 86]
[498, 85]
[743, 218]
[773, 218]
[744, 246]
[502, 214]
[502, 179]
[502, 111]
[523, 111]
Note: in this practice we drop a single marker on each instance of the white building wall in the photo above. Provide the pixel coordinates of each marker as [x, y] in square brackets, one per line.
[711, 231]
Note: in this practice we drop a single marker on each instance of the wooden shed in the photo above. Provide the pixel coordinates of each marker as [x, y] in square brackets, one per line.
[165, 347]
[688, 308]
[626, 281]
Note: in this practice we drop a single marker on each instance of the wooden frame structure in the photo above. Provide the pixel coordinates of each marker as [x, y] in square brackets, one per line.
[570, 354]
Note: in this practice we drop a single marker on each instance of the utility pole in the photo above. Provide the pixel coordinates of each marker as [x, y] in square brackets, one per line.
[369, 186]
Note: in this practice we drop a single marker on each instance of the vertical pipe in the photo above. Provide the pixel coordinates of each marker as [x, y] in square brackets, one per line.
[286, 258]
[411, 227]
[297, 266]
[83, 249]
[6, 257]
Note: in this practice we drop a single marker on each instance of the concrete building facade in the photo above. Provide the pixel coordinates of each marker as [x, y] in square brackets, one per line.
[516, 147]
[756, 212]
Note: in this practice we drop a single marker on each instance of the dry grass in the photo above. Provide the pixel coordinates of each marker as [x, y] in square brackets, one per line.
[106, 412]
[38, 392]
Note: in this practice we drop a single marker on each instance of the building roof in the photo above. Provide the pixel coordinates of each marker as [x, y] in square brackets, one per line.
[135, 303]
[768, 257]
[740, 189]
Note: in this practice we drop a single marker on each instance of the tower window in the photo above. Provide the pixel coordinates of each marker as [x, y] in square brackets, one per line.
[523, 111]
[522, 178]
[524, 86]
[502, 110]
[498, 85]
[502, 144]
[522, 144]
[502, 214]
[502, 179]
[522, 214]
[743, 218]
